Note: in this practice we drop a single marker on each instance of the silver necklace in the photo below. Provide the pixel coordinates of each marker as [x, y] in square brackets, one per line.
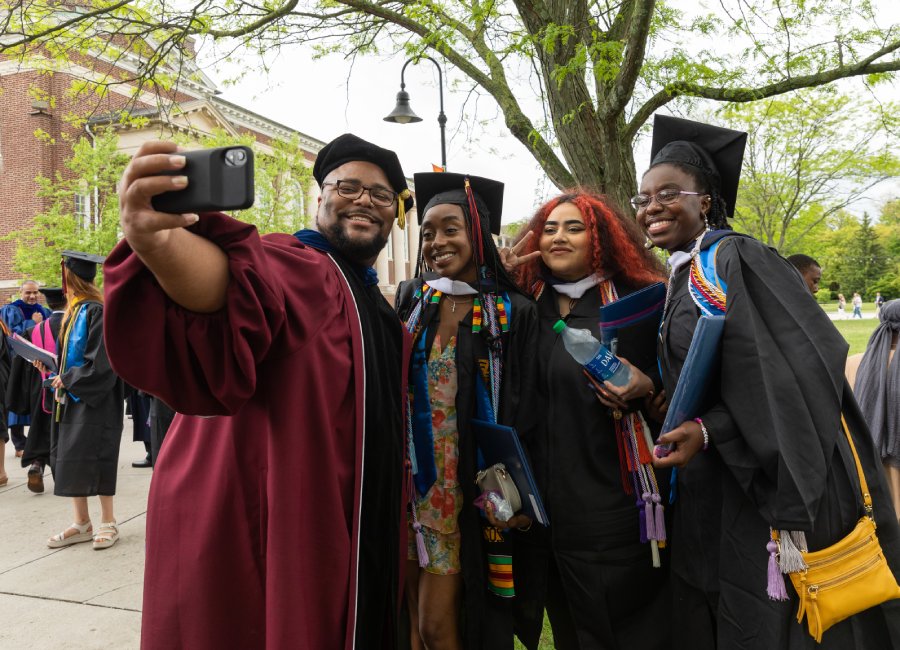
[453, 302]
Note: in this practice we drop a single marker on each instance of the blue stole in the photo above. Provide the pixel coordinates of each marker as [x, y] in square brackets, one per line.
[315, 239]
[76, 343]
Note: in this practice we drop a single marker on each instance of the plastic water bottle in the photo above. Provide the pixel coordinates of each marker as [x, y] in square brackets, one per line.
[593, 355]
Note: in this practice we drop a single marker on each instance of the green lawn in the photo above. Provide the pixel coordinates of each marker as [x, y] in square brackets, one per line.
[546, 638]
[856, 332]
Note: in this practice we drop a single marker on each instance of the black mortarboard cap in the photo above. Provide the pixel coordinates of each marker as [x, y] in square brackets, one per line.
[435, 188]
[54, 295]
[715, 150]
[348, 148]
[84, 265]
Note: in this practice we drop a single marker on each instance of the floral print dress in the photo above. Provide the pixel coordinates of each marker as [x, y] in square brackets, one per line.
[439, 509]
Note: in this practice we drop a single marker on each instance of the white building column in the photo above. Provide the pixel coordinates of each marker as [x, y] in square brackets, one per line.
[400, 273]
[382, 269]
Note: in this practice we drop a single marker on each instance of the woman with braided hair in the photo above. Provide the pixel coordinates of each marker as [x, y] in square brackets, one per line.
[473, 354]
[597, 569]
[765, 467]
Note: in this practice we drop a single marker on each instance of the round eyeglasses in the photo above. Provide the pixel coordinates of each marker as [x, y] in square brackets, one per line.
[354, 189]
[663, 197]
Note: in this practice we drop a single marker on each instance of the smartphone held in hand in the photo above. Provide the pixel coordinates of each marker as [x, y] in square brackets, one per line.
[218, 179]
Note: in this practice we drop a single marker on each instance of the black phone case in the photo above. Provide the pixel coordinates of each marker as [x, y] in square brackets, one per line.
[213, 183]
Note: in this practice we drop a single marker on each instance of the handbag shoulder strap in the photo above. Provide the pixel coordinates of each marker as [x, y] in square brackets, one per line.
[863, 486]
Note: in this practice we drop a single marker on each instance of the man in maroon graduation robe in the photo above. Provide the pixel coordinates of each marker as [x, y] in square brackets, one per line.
[275, 523]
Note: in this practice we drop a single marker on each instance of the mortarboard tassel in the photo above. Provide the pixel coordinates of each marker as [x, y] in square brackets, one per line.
[401, 208]
[477, 241]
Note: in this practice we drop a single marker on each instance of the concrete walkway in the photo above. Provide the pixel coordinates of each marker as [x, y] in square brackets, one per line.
[72, 597]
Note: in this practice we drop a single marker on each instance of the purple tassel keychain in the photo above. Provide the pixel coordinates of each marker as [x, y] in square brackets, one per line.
[650, 523]
[660, 518]
[421, 551]
[642, 521]
[775, 587]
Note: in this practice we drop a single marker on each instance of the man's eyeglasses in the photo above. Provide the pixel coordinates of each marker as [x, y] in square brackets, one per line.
[353, 190]
[663, 197]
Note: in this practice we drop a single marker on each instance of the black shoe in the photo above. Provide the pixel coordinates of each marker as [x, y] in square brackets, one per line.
[142, 463]
[36, 477]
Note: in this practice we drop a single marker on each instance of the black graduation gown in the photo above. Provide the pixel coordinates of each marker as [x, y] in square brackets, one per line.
[615, 598]
[25, 395]
[487, 618]
[86, 434]
[138, 403]
[777, 457]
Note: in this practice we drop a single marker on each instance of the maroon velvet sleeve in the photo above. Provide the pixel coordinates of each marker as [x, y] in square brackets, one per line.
[207, 364]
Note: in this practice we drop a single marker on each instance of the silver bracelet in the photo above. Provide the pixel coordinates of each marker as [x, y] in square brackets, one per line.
[704, 432]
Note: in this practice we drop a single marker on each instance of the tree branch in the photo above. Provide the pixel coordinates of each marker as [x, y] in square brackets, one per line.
[635, 48]
[740, 95]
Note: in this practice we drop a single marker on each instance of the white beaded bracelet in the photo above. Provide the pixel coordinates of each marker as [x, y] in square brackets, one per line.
[704, 432]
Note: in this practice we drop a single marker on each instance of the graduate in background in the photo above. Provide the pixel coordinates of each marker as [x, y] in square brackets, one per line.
[25, 393]
[593, 569]
[86, 430]
[475, 337]
[767, 452]
[20, 316]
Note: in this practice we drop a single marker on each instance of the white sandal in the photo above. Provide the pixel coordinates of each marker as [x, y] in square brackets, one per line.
[106, 535]
[84, 534]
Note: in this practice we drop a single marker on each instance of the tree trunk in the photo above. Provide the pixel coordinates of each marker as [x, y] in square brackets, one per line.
[599, 156]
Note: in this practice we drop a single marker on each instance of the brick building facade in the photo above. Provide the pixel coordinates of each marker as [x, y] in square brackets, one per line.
[33, 100]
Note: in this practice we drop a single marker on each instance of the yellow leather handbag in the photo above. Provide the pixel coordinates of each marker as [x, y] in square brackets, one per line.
[847, 577]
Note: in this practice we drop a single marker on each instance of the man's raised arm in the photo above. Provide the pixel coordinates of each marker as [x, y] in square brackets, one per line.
[192, 270]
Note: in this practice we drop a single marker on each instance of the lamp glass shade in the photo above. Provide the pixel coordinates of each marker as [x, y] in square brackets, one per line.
[402, 113]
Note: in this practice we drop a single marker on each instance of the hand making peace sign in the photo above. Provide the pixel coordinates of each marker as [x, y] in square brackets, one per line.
[510, 257]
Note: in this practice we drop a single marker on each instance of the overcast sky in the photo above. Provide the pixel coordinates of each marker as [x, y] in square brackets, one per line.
[324, 98]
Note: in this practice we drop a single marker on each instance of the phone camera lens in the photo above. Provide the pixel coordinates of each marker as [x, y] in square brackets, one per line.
[236, 157]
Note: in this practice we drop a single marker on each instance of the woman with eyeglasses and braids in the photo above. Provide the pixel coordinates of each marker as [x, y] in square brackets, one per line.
[599, 570]
[765, 469]
[473, 357]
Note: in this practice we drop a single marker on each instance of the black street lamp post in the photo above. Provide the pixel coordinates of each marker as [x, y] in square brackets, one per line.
[403, 113]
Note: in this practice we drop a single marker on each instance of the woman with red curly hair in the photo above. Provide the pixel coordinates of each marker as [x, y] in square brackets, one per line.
[594, 570]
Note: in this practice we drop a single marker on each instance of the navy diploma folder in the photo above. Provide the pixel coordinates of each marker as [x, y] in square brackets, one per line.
[25, 348]
[699, 367]
[500, 444]
[646, 303]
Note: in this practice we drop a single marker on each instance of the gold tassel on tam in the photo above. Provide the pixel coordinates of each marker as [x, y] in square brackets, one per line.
[401, 208]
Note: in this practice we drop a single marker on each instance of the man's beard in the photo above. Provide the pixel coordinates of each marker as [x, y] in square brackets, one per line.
[354, 250]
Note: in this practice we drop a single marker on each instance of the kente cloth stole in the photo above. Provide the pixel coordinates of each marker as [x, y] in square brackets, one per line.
[634, 444]
[491, 312]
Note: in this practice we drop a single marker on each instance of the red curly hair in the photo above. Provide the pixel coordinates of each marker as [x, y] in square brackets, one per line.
[616, 246]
